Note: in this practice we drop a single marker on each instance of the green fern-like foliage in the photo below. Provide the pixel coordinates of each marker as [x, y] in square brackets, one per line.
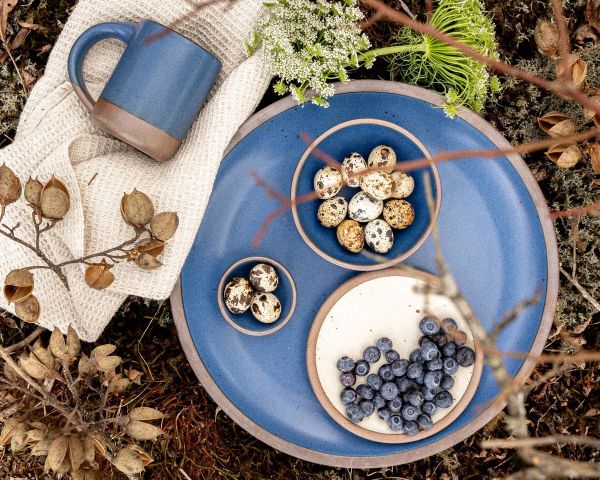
[432, 63]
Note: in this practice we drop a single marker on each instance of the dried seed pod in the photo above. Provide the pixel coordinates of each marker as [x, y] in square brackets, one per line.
[152, 247]
[563, 129]
[547, 38]
[147, 262]
[10, 186]
[18, 285]
[55, 200]
[28, 310]
[565, 156]
[551, 119]
[590, 114]
[586, 36]
[164, 225]
[578, 68]
[593, 150]
[137, 208]
[98, 276]
[33, 192]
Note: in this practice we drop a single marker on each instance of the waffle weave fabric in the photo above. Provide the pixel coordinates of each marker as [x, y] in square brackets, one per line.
[56, 137]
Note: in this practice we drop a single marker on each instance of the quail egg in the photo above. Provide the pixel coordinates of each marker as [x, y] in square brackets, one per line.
[351, 236]
[403, 185]
[238, 295]
[264, 277]
[377, 184]
[266, 307]
[363, 208]
[398, 214]
[332, 211]
[327, 182]
[353, 164]
[383, 157]
[379, 236]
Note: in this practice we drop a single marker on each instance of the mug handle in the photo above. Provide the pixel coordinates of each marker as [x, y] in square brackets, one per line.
[119, 30]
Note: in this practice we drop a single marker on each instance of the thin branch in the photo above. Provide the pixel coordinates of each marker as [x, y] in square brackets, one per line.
[584, 293]
[533, 442]
[26, 341]
[513, 313]
[563, 35]
[592, 208]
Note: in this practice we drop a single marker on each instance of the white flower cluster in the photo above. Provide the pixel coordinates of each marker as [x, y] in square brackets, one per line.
[310, 43]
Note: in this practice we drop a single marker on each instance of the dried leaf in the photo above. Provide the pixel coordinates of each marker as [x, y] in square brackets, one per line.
[99, 442]
[75, 452]
[145, 413]
[143, 431]
[57, 453]
[33, 367]
[57, 345]
[128, 462]
[73, 343]
[36, 435]
[109, 363]
[118, 384]
[43, 355]
[32, 26]
[592, 412]
[9, 373]
[593, 150]
[103, 350]
[89, 453]
[6, 7]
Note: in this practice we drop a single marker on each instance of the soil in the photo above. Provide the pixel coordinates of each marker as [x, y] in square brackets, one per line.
[203, 442]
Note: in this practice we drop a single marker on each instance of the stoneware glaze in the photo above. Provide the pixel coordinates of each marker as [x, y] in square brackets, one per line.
[497, 237]
[388, 303]
[156, 90]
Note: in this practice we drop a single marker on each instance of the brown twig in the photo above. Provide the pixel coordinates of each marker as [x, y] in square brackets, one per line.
[26, 341]
[563, 34]
[533, 442]
[513, 313]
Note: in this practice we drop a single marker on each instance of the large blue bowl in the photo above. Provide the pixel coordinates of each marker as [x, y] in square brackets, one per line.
[362, 135]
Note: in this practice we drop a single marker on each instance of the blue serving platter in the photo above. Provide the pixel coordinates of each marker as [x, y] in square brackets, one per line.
[497, 238]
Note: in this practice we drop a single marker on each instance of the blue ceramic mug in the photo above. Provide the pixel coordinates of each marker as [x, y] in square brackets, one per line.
[156, 90]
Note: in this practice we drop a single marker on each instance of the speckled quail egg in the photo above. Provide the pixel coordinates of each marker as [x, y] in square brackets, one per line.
[353, 164]
[377, 184]
[383, 157]
[266, 307]
[364, 208]
[379, 236]
[398, 214]
[264, 277]
[328, 182]
[238, 295]
[403, 185]
[351, 236]
[332, 211]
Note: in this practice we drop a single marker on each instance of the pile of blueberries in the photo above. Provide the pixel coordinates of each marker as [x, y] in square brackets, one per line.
[407, 392]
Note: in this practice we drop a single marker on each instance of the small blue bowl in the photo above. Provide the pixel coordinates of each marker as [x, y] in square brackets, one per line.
[285, 292]
[362, 135]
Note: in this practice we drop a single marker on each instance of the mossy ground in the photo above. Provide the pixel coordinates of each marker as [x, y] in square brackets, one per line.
[203, 442]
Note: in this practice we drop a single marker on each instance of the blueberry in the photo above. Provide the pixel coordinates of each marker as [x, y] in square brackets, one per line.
[395, 423]
[449, 325]
[447, 382]
[414, 370]
[345, 364]
[429, 393]
[385, 372]
[465, 356]
[378, 400]
[374, 381]
[365, 392]
[361, 368]
[460, 338]
[354, 413]
[404, 384]
[415, 398]
[435, 364]
[384, 414]
[415, 356]
[450, 365]
[429, 326]
[433, 379]
[429, 351]
[449, 350]
[367, 407]
[371, 354]
[440, 339]
[443, 399]
[395, 405]
[399, 367]
[411, 428]
[389, 390]
[348, 396]
[424, 422]
[429, 408]
[392, 355]
[384, 344]
[410, 412]
[420, 379]
[347, 379]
